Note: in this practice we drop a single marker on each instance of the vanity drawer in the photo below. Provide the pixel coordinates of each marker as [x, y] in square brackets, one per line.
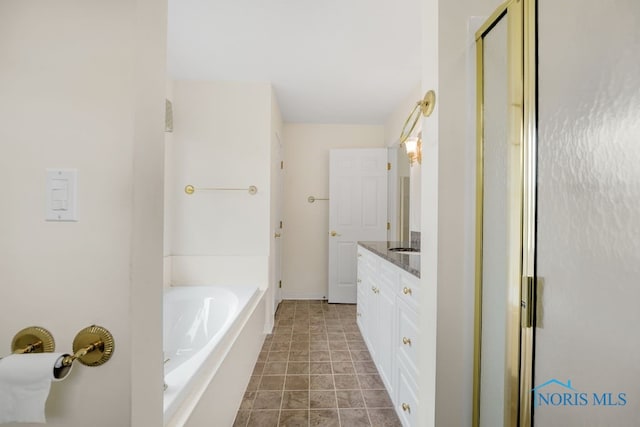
[408, 336]
[409, 289]
[390, 273]
[407, 401]
[367, 259]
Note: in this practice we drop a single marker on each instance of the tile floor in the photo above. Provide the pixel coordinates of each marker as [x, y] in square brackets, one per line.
[315, 370]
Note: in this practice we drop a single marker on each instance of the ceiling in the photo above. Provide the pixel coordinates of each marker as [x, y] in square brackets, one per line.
[330, 61]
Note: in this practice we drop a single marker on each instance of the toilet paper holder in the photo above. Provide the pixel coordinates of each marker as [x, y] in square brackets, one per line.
[34, 339]
[92, 346]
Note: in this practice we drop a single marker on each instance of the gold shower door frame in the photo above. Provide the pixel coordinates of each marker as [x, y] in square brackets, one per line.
[521, 59]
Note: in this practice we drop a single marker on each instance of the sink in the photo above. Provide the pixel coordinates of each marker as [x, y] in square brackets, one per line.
[410, 251]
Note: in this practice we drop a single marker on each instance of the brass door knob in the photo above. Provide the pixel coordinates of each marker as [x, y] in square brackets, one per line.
[406, 407]
[334, 233]
[406, 291]
[277, 235]
[406, 341]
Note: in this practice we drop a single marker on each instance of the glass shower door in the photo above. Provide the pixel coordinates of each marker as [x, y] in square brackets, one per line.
[588, 228]
[505, 215]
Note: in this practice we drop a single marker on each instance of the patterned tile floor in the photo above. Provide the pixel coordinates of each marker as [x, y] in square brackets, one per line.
[315, 370]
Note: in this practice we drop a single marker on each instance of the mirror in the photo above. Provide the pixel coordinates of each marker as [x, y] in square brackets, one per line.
[404, 204]
[399, 185]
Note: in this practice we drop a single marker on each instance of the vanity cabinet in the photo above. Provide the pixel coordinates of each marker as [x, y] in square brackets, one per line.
[387, 315]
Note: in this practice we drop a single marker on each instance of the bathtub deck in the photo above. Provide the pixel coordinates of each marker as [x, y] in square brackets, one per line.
[315, 370]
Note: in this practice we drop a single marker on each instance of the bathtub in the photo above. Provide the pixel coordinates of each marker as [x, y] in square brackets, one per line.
[200, 327]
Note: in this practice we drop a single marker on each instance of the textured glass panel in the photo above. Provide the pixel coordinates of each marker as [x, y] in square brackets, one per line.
[495, 230]
[588, 236]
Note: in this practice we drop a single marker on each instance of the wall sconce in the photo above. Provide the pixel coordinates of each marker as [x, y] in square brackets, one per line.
[413, 146]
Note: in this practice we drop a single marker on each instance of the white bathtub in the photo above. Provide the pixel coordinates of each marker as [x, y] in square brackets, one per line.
[200, 323]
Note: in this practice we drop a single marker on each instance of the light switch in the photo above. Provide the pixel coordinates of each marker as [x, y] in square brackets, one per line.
[61, 195]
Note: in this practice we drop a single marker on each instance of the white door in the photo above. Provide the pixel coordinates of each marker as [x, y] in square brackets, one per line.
[357, 212]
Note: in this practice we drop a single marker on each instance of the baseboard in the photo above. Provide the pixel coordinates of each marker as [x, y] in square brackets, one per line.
[304, 295]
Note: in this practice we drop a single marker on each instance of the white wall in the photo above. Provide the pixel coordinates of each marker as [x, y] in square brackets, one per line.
[306, 225]
[75, 93]
[221, 139]
[447, 357]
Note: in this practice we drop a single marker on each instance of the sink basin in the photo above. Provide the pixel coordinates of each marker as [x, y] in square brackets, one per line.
[410, 251]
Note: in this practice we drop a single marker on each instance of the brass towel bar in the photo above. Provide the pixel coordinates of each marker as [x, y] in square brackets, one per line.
[312, 199]
[190, 189]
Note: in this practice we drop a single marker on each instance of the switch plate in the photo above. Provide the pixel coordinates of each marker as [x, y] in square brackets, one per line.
[61, 195]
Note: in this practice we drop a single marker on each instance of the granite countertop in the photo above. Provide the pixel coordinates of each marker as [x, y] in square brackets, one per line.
[407, 262]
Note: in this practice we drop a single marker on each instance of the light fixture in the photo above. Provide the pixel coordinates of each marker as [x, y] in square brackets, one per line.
[413, 146]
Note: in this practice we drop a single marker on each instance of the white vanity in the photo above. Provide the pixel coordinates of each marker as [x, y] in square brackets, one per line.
[387, 314]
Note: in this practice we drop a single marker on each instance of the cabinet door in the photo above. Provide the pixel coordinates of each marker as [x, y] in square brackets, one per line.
[363, 311]
[366, 309]
[371, 328]
[386, 334]
[406, 342]
[407, 400]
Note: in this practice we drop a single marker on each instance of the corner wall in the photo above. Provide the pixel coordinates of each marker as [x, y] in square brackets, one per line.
[75, 93]
[306, 225]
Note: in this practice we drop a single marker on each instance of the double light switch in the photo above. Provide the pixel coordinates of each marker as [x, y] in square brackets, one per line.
[61, 195]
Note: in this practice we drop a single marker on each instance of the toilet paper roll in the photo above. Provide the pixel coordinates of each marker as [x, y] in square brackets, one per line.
[25, 381]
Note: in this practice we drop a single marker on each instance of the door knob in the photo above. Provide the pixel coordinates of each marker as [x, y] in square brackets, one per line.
[277, 235]
[334, 234]
[406, 341]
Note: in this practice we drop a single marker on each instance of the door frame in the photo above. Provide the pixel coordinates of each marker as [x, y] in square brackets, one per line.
[521, 312]
[278, 165]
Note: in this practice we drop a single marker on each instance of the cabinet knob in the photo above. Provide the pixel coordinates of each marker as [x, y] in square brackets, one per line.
[406, 341]
[406, 291]
[373, 288]
[406, 407]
